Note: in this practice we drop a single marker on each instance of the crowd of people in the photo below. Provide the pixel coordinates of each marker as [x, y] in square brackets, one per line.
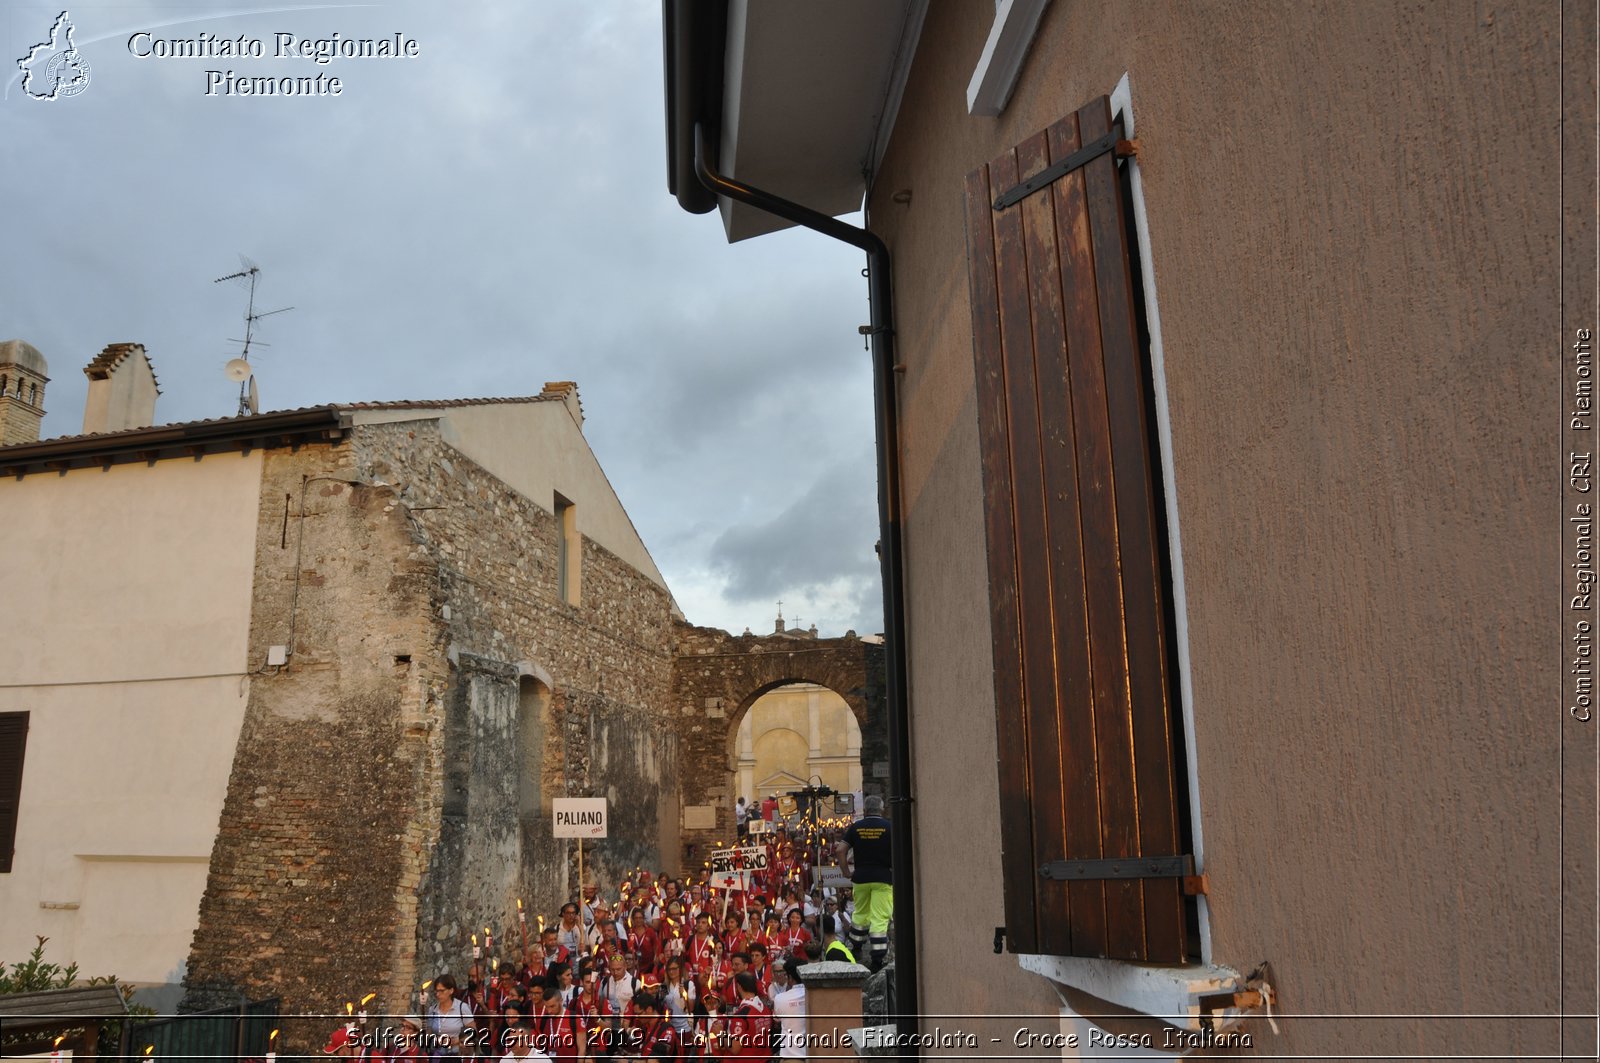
[676, 968]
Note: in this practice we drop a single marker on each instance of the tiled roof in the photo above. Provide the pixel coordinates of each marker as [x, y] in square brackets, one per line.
[425, 404]
[244, 422]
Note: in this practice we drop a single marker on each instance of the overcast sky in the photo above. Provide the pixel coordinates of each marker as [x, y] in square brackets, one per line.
[474, 221]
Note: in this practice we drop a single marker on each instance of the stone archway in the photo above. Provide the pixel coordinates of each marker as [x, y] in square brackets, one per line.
[792, 735]
[717, 677]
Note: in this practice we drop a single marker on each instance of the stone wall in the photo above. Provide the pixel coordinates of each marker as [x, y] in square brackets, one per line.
[391, 790]
[716, 677]
[605, 662]
[332, 802]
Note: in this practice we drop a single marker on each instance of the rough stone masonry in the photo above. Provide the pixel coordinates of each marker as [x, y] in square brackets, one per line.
[717, 677]
[391, 790]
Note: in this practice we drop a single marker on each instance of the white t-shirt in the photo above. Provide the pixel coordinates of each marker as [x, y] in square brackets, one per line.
[789, 1008]
[679, 1001]
[620, 991]
[533, 1056]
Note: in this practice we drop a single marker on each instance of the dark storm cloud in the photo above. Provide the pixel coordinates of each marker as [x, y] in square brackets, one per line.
[476, 221]
[816, 553]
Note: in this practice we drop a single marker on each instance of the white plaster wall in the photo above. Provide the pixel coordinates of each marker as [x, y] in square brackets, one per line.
[537, 449]
[123, 632]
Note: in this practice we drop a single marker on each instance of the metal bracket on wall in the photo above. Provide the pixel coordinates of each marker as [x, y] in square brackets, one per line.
[1180, 867]
[1112, 141]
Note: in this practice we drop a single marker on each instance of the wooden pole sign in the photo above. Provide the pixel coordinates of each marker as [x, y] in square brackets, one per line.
[731, 868]
[580, 817]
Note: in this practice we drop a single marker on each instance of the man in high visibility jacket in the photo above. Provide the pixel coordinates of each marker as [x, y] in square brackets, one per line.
[832, 947]
[867, 843]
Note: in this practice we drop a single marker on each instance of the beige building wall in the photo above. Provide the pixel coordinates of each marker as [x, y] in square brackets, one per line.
[795, 733]
[122, 633]
[500, 436]
[1354, 240]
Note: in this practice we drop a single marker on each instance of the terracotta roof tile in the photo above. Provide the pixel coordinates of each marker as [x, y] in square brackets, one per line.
[108, 359]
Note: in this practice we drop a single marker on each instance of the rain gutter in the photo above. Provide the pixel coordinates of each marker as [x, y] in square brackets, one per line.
[881, 334]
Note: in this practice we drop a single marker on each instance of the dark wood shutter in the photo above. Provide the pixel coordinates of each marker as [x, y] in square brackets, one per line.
[13, 740]
[1088, 764]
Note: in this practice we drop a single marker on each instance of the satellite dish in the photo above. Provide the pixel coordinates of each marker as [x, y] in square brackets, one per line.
[255, 397]
[238, 370]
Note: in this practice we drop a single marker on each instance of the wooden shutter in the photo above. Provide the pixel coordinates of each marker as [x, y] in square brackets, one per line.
[1082, 691]
[13, 739]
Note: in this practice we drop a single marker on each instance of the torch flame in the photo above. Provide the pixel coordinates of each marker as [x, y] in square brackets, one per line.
[474, 940]
[148, 1049]
[349, 1008]
[57, 1042]
[271, 1037]
[366, 999]
[519, 904]
[428, 983]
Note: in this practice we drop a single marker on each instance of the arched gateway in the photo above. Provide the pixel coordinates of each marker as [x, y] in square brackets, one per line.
[717, 677]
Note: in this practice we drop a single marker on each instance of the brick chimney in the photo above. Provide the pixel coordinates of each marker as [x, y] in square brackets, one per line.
[567, 392]
[122, 390]
[23, 375]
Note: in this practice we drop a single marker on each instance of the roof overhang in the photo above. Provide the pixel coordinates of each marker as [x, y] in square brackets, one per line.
[797, 98]
[194, 439]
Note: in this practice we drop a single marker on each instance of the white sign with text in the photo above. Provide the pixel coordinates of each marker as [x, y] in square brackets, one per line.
[580, 817]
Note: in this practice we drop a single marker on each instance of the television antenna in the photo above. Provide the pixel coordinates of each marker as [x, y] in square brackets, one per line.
[239, 369]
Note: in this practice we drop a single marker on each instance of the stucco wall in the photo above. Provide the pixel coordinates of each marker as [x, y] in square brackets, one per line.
[126, 607]
[1353, 218]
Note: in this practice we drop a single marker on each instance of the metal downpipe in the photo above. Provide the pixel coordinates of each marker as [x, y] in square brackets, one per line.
[879, 295]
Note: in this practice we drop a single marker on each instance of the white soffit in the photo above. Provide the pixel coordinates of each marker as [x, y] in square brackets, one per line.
[805, 85]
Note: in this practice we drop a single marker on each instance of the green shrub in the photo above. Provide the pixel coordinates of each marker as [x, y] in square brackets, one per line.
[35, 975]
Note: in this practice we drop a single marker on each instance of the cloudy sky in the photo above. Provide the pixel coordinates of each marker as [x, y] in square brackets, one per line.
[476, 220]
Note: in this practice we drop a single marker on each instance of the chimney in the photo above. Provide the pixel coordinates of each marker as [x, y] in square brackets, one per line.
[567, 392]
[23, 375]
[122, 390]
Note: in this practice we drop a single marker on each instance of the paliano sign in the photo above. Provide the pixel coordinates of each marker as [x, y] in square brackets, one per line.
[580, 817]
